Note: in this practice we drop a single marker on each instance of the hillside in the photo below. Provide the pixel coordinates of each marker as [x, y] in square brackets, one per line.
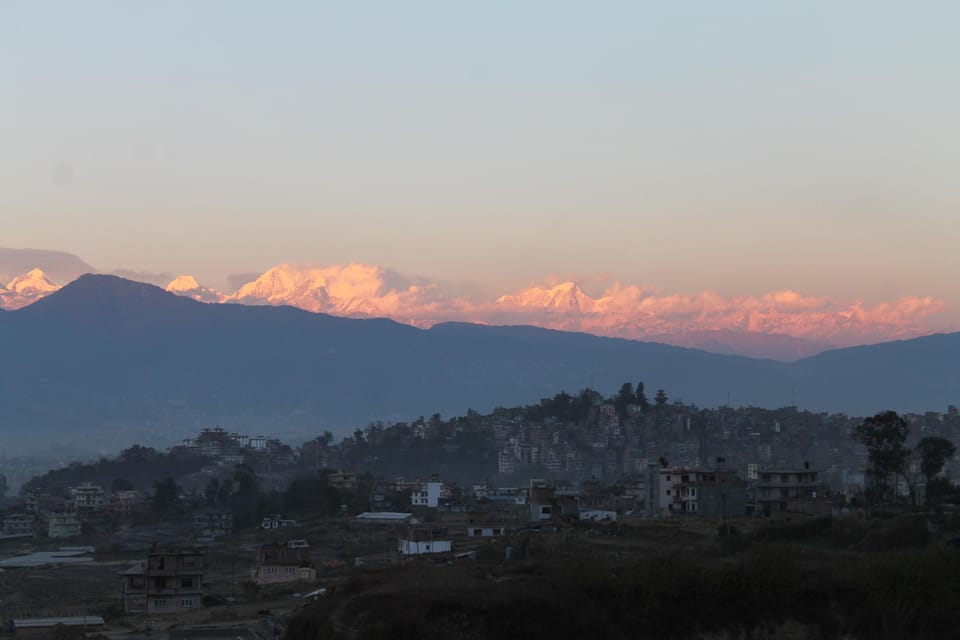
[104, 351]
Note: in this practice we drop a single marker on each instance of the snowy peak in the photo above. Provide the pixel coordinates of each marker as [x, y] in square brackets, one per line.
[26, 289]
[189, 287]
[183, 283]
[32, 282]
[566, 296]
[272, 286]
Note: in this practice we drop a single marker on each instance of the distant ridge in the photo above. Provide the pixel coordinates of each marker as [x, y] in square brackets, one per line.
[782, 325]
[108, 299]
[104, 350]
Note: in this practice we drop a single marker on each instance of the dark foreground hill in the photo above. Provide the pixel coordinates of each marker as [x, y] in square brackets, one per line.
[105, 351]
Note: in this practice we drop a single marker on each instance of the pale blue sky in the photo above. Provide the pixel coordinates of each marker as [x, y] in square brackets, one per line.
[735, 146]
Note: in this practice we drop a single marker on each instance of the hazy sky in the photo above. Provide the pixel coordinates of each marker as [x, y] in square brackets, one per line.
[740, 147]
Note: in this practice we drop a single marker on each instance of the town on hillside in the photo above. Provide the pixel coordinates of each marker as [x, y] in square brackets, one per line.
[254, 534]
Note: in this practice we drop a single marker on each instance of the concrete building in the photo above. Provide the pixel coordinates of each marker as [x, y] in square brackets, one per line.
[710, 493]
[63, 525]
[87, 497]
[277, 521]
[785, 490]
[277, 563]
[488, 531]
[713, 494]
[171, 581]
[423, 547]
[18, 524]
[428, 495]
[126, 502]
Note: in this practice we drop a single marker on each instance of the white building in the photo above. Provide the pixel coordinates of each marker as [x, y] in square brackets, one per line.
[669, 499]
[423, 547]
[277, 522]
[428, 495]
[87, 496]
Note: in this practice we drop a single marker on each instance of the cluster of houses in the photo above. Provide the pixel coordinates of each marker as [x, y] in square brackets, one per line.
[225, 448]
[63, 516]
[87, 508]
[662, 490]
[609, 441]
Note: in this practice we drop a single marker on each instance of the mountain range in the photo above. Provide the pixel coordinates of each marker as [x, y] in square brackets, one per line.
[782, 325]
[104, 354]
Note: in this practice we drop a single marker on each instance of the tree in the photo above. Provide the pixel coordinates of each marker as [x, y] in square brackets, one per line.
[884, 435]
[624, 398]
[247, 482]
[642, 398]
[166, 493]
[934, 453]
[213, 492]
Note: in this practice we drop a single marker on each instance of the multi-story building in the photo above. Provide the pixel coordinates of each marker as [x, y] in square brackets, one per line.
[718, 493]
[63, 525]
[785, 490]
[126, 501]
[18, 524]
[169, 582]
[277, 563]
[87, 497]
[428, 495]
[679, 490]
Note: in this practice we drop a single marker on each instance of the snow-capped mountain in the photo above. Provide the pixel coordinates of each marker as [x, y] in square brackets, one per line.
[782, 324]
[189, 287]
[564, 297]
[353, 290]
[26, 289]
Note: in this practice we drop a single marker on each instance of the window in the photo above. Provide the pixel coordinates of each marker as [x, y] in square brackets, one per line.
[478, 532]
[160, 603]
[186, 583]
[290, 571]
[186, 602]
[160, 562]
[160, 583]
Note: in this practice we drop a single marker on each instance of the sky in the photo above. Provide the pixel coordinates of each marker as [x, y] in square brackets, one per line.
[734, 147]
